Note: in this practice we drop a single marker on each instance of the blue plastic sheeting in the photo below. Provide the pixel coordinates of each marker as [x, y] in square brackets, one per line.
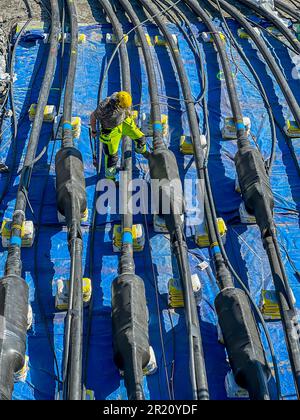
[48, 260]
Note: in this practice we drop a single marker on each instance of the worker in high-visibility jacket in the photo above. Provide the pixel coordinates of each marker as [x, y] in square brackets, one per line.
[116, 121]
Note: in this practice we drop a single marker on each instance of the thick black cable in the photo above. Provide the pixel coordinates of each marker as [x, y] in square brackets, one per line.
[133, 368]
[261, 45]
[155, 116]
[275, 21]
[40, 213]
[269, 239]
[261, 89]
[286, 8]
[241, 134]
[13, 267]
[72, 207]
[192, 40]
[34, 138]
[197, 364]
[271, 34]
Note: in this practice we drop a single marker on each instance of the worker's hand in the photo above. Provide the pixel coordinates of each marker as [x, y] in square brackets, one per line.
[95, 162]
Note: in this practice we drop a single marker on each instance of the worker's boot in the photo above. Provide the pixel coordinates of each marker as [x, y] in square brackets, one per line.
[141, 146]
[111, 167]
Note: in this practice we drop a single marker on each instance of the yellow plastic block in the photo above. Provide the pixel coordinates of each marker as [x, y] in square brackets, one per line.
[229, 131]
[111, 39]
[208, 37]
[222, 37]
[76, 128]
[49, 112]
[81, 38]
[160, 41]
[62, 295]
[186, 144]
[147, 125]
[27, 233]
[86, 289]
[176, 299]
[243, 34]
[269, 305]
[89, 395]
[138, 42]
[138, 235]
[201, 233]
[292, 129]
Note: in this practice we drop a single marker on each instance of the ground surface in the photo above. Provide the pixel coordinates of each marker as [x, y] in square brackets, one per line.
[88, 10]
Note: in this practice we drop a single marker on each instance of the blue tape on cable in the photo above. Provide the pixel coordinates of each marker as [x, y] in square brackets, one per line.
[240, 126]
[67, 126]
[244, 245]
[15, 240]
[157, 127]
[127, 238]
[216, 250]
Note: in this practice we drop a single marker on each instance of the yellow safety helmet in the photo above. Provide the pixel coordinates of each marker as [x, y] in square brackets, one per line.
[125, 99]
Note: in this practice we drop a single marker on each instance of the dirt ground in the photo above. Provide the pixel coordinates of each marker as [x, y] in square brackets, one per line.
[88, 10]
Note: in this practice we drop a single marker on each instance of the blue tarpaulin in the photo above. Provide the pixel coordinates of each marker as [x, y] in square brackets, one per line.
[48, 260]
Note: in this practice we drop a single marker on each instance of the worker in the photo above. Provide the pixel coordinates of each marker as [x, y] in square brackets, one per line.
[116, 121]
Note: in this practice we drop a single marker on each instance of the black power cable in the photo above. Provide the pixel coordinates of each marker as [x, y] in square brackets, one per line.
[261, 205]
[13, 288]
[192, 40]
[130, 327]
[261, 45]
[40, 214]
[286, 8]
[197, 364]
[71, 202]
[255, 377]
[231, 89]
[275, 21]
[259, 87]
[163, 166]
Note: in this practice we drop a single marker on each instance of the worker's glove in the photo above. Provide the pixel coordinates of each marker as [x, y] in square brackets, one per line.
[95, 162]
[140, 146]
